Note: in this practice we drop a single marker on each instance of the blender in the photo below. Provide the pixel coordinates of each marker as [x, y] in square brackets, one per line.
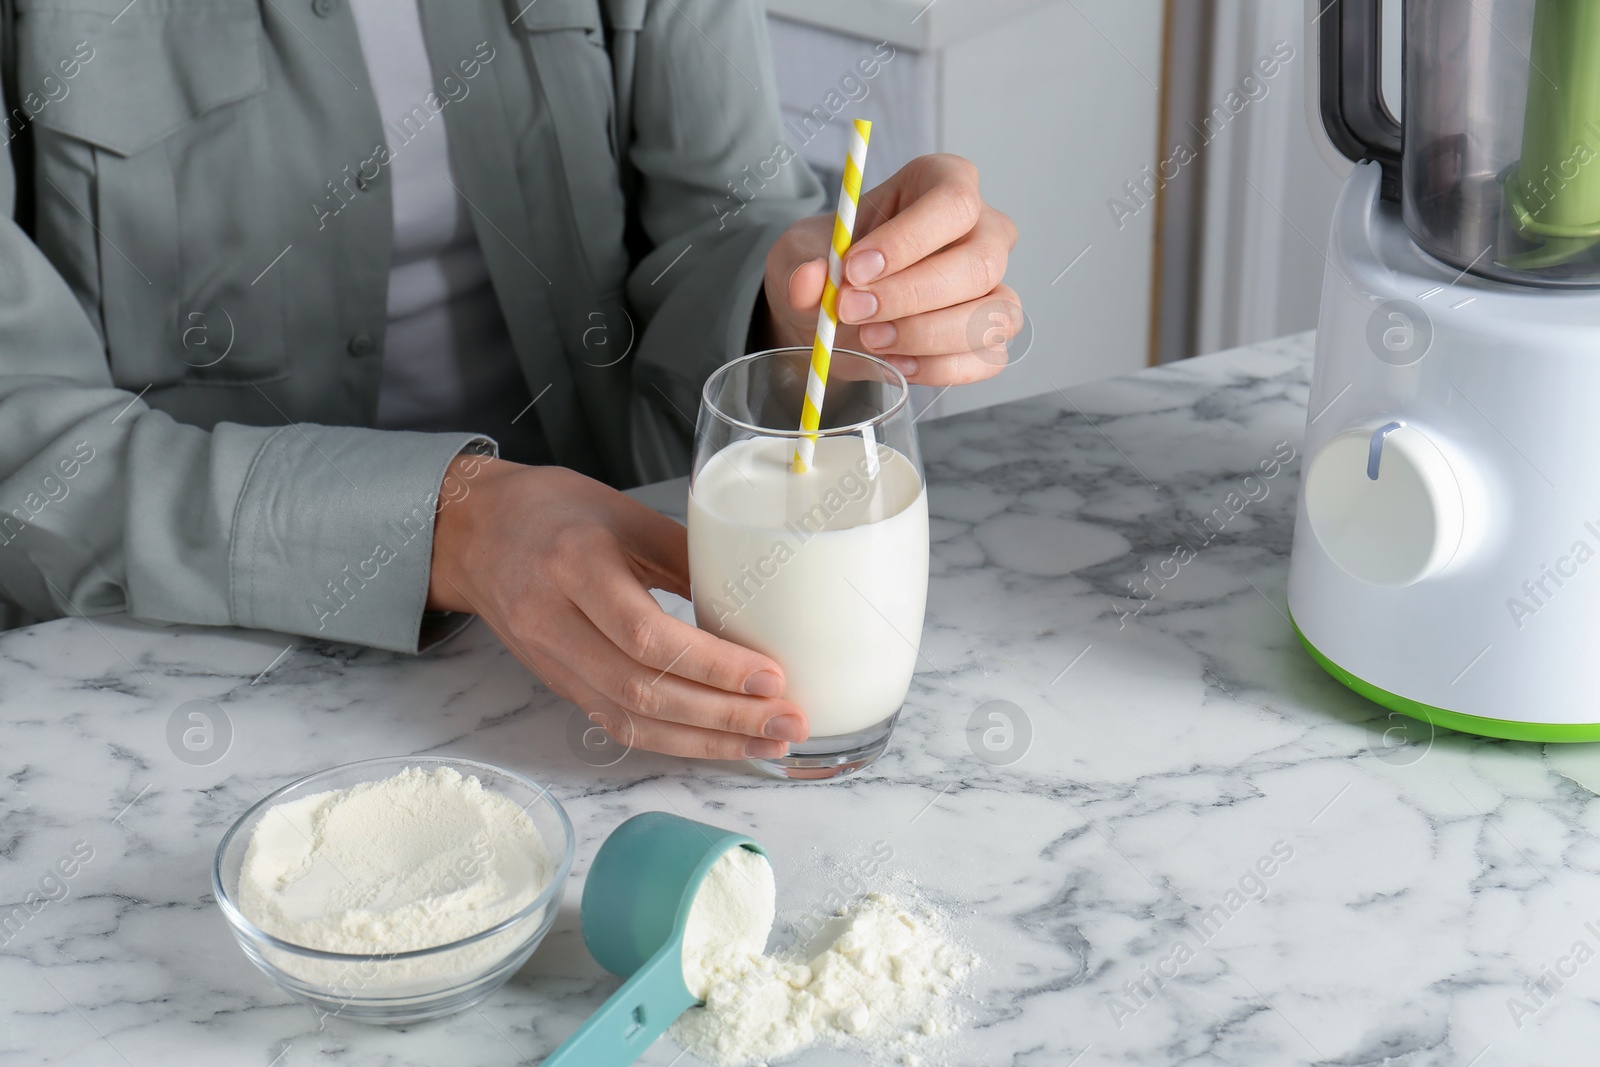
[1446, 559]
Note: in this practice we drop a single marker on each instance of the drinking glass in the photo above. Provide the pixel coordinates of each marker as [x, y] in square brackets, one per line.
[825, 569]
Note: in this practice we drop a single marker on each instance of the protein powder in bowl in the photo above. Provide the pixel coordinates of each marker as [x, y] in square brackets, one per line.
[395, 890]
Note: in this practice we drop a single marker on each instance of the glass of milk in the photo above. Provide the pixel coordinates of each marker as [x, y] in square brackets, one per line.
[825, 571]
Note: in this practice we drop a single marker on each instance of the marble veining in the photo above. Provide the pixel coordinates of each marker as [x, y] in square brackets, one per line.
[1191, 846]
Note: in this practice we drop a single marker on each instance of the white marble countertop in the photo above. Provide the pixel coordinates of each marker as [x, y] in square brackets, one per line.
[1174, 753]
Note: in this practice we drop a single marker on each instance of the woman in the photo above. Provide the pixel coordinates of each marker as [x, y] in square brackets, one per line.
[277, 275]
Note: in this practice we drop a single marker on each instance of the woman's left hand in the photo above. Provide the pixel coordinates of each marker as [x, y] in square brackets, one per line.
[922, 282]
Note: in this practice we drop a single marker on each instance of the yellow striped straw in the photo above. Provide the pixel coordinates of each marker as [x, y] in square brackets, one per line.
[844, 224]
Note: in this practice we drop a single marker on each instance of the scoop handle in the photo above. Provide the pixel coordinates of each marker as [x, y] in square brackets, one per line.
[633, 1017]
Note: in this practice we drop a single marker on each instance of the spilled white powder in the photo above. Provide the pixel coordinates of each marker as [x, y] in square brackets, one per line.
[421, 859]
[881, 986]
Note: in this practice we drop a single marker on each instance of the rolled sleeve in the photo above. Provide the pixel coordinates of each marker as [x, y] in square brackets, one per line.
[334, 533]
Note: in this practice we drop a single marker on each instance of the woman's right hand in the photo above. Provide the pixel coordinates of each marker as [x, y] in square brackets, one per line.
[560, 567]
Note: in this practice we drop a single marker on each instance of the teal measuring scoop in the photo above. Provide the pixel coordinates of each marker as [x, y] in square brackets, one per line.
[635, 906]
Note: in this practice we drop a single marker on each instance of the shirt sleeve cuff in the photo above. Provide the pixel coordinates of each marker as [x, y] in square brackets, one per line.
[334, 533]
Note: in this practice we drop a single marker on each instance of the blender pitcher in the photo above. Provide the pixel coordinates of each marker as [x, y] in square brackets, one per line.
[1497, 163]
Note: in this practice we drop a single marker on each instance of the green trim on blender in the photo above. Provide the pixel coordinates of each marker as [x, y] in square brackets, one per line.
[1505, 729]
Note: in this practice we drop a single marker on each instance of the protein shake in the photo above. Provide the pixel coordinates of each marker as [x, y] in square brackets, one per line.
[826, 571]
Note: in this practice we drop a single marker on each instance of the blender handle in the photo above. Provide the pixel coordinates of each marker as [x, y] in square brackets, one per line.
[1353, 112]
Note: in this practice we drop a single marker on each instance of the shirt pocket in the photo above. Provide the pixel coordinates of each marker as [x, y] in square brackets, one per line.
[545, 15]
[570, 62]
[567, 40]
[155, 197]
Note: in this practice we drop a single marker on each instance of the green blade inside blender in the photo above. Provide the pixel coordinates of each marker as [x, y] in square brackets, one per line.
[1553, 193]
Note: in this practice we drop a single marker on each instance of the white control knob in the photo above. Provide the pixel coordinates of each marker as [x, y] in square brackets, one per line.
[1384, 504]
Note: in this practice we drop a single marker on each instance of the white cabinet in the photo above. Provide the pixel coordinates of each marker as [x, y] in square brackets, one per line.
[1057, 103]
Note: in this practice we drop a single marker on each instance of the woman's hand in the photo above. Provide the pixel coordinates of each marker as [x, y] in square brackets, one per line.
[560, 566]
[922, 282]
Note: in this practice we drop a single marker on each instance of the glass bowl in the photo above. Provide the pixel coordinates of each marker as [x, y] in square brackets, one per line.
[400, 987]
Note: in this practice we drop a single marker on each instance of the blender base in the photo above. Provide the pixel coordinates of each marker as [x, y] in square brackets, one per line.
[1455, 582]
[1505, 729]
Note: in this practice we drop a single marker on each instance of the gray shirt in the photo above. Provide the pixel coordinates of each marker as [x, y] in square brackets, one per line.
[448, 362]
[193, 291]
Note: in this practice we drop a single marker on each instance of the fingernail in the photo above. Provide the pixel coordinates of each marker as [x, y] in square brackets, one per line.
[788, 288]
[786, 728]
[759, 749]
[906, 365]
[879, 334]
[856, 305]
[864, 266]
[764, 684]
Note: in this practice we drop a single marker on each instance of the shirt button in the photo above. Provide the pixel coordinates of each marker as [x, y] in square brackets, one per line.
[324, 8]
[361, 344]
